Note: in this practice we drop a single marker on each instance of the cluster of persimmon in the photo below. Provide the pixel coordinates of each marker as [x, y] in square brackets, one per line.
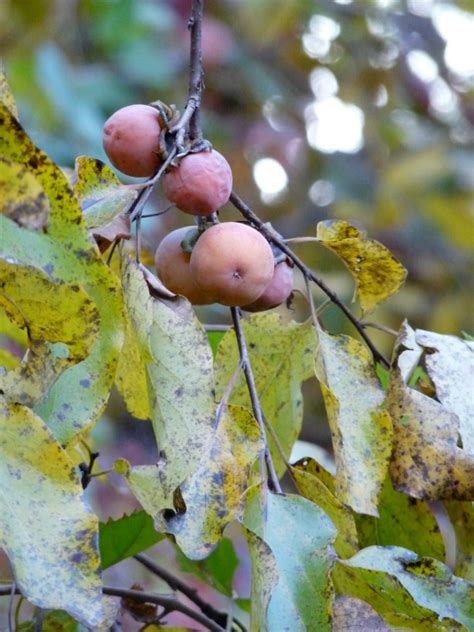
[229, 263]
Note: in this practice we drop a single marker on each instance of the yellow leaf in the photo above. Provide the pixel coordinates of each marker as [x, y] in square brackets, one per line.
[360, 428]
[23, 198]
[377, 273]
[48, 533]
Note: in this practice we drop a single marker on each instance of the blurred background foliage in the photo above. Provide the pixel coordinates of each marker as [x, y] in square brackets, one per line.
[360, 110]
[325, 109]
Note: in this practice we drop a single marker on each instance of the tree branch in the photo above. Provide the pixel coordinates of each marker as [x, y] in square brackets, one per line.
[273, 236]
[195, 71]
[169, 603]
[257, 410]
[175, 583]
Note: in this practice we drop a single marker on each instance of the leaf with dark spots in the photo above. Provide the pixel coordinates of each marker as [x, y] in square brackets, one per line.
[212, 494]
[22, 197]
[172, 346]
[44, 524]
[376, 271]
[401, 586]
[360, 427]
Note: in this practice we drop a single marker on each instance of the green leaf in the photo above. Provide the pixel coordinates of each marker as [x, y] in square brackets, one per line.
[217, 570]
[462, 519]
[23, 199]
[215, 338]
[290, 562]
[318, 485]
[377, 273]
[360, 428]
[131, 379]
[399, 584]
[281, 355]
[403, 521]
[100, 192]
[179, 368]
[426, 461]
[122, 538]
[67, 254]
[211, 497]
[52, 312]
[450, 364]
[53, 621]
[47, 532]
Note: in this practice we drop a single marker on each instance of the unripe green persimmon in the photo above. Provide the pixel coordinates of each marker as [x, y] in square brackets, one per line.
[277, 291]
[131, 140]
[232, 262]
[172, 266]
[200, 184]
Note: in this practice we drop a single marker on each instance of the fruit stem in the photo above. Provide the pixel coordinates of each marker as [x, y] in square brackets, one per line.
[274, 483]
[273, 237]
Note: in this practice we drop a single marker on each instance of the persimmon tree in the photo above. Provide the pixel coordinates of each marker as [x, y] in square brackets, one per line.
[384, 541]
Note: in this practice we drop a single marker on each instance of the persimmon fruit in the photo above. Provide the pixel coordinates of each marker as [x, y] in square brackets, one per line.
[200, 184]
[277, 291]
[233, 263]
[172, 266]
[131, 140]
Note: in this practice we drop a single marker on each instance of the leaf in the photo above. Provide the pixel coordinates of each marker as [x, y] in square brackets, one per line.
[377, 273]
[118, 228]
[450, 364]
[66, 253]
[298, 535]
[215, 338]
[179, 368]
[53, 621]
[318, 485]
[462, 519]
[6, 95]
[398, 584]
[360, 428]
[403, 521]
[52, 312]
[217, 569]
[101, 194]
[354, 615]
[23, 199]
[426, 462]
[281, 355]
[211, 496]
[131, 379]
[122, 538]
[47, 532]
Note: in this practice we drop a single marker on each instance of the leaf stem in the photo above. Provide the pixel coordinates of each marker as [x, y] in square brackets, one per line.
[273, 236]
[257, 410]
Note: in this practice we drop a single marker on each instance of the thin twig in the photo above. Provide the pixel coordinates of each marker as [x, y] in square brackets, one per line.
[175, 583]
[257, 411]
[11, 623]
[309, 294]
[39, 620]
[384, 328]
[167, 602]
[195, 70]
[273, 236]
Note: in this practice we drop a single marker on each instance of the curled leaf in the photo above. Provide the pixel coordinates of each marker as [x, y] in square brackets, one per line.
[377, 273]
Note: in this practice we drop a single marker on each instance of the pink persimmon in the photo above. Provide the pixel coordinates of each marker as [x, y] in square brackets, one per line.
[200, 184]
